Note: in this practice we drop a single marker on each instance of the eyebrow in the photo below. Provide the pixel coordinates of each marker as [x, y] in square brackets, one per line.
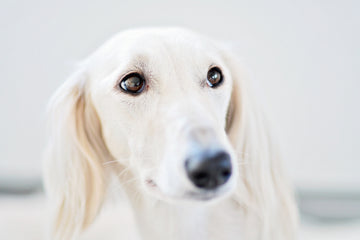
[138, 62]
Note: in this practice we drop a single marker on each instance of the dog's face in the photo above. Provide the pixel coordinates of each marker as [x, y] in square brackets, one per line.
[169, 113]
[162, 97]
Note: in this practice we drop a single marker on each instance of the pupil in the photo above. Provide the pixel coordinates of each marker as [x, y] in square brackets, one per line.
[134, 82]
[214, 76]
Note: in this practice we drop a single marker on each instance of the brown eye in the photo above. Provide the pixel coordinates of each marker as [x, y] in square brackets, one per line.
[133, 83]
[214, 77]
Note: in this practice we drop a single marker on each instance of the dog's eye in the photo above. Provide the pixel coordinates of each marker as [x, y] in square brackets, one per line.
[214, 77]
[133, 83]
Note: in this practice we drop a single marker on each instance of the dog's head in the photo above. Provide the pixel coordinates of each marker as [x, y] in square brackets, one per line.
[161, 107]
[162, 97]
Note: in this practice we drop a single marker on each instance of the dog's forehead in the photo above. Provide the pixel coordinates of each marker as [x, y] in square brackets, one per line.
[160, 51]
[158, 45]
[162, 38]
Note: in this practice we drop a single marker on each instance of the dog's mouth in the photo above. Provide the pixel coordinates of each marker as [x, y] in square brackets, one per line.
[201, 195]
[204, 195]
[151, 183]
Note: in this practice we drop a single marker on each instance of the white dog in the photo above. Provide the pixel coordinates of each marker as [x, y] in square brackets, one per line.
[170, 112]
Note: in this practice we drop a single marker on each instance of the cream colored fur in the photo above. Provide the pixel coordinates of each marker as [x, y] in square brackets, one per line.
[98, 132]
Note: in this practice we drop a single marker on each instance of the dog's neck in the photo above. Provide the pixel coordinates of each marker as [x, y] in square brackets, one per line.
[160, 220]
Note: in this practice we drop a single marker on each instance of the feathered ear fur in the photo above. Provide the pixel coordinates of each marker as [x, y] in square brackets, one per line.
[74, 173]
[263, 191]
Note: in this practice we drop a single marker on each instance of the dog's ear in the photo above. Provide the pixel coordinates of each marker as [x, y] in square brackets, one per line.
[74, 173]
[263, 188]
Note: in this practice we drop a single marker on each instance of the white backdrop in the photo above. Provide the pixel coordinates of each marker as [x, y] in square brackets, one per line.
[304, 56]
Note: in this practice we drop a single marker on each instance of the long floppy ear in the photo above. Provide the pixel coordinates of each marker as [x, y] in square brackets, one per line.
[74, 173]
[263, 189]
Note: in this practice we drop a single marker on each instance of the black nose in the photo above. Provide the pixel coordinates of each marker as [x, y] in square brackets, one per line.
[209, 170]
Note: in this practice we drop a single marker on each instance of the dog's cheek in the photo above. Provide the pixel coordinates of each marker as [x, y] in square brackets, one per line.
[117, 144]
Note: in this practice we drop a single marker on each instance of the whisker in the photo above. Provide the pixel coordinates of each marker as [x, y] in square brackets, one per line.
[110, 162]
[123, 172]
[131, 180]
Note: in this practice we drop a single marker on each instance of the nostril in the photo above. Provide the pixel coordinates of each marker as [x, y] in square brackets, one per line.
[209, 170]
[226, 173]
[201, 178]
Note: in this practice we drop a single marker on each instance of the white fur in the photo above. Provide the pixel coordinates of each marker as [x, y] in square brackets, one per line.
[98, 132]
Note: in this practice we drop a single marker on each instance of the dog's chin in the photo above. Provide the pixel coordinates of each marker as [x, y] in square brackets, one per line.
[194, 195]
[206, 196]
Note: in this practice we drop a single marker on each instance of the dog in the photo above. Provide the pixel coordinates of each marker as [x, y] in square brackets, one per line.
[167, 113]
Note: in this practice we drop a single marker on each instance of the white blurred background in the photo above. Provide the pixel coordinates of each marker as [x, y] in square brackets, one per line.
[303, 56]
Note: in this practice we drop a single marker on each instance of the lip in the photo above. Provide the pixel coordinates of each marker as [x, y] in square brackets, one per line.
[204, 196]
[150, 183]
[201, 195]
